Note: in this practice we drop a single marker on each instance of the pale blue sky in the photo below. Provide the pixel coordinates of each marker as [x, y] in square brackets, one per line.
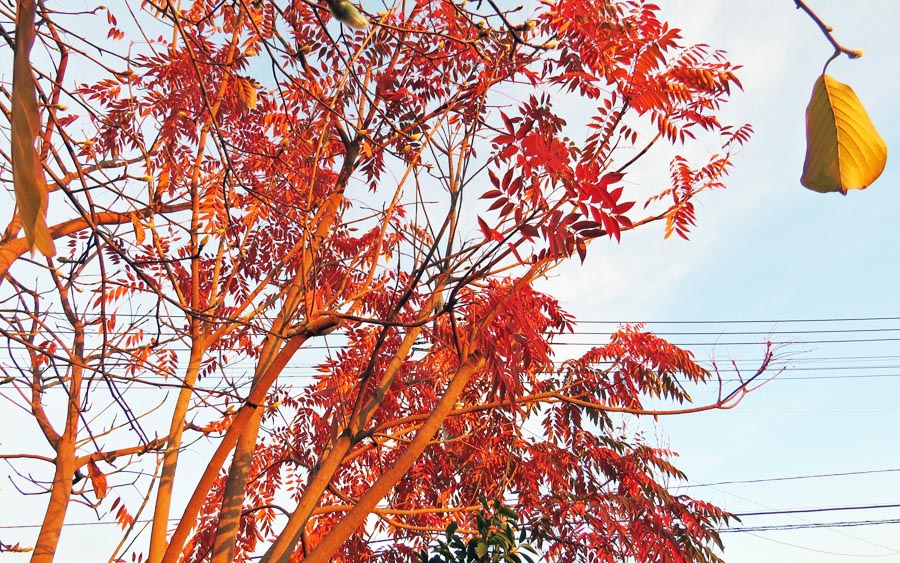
[767, 248]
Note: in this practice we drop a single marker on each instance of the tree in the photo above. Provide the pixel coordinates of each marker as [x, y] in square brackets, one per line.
[247, 182]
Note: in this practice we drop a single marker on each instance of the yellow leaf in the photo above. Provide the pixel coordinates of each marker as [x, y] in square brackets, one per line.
[843, 149]
[138, 230]
[28, 173]
[246, 91]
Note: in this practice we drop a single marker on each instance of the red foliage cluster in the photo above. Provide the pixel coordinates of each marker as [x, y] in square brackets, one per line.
[253, 177]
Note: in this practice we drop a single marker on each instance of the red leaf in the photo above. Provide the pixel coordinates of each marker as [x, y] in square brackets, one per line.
[616, 193]
[584, 225]
[610, 177]
[507, 179]
[593, 233]
[515, 251]
[98, 480]
[510, 150]
[494, 179]
[488, 232]
[623, 207]
[529, 230]
[509, 123]
[498, 204]
[581, 247]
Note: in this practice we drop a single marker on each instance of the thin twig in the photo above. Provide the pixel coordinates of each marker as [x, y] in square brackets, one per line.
[827, 31]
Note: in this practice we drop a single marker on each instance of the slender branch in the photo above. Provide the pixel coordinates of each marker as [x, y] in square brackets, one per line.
[827, 31]
[730, 401]
[12, 249]
[28, 456]
[110, 456]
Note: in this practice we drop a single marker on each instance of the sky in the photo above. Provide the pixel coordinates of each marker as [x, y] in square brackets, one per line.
[767, 249]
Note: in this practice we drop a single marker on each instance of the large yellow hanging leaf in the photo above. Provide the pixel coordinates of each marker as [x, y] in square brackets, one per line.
[28, 173]
[843, 149]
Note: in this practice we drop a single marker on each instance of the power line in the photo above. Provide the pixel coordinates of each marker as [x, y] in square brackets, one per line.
[65, 525]
[679, 344]
[793, 364]
[750, 321]
[793, 478]
[811, 525]
[836, 531]
[607, 321]
[619, 321]
[747, 333]
[67, 330]
[821, 377]
[733, 529]
[715, 343]
[816, 510]
[152, 381]
[310, 373]
[814, 550]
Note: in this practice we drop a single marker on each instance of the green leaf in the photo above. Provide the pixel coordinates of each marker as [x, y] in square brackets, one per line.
[481, 548]
[843, 149]
[508, 512]
[451, 529]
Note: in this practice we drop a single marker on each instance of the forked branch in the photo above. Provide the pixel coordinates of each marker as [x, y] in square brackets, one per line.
[828, 31]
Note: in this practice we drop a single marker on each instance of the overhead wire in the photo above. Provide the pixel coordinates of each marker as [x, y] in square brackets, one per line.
[66, 330]
[822, 551]
[794, 369]
[679, 344]
[748, 321]
[768, 527]
[722, 334]
[817, 510]
[810, 525]
[622, 321]
[838, 530]
[793, 478]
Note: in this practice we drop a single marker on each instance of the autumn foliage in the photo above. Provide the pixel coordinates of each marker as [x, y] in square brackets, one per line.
[241, 187]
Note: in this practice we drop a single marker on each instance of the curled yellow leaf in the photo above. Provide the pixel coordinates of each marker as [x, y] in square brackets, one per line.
[843, 149]
[139, 234]
[28, 173]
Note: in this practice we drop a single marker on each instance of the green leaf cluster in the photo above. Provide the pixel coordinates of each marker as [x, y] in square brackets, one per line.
[500, 539]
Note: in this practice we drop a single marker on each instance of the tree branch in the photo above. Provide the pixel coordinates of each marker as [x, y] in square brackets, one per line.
[827, 31]
[11, 250]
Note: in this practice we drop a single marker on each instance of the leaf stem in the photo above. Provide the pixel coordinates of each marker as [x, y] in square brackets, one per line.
[827, 30]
